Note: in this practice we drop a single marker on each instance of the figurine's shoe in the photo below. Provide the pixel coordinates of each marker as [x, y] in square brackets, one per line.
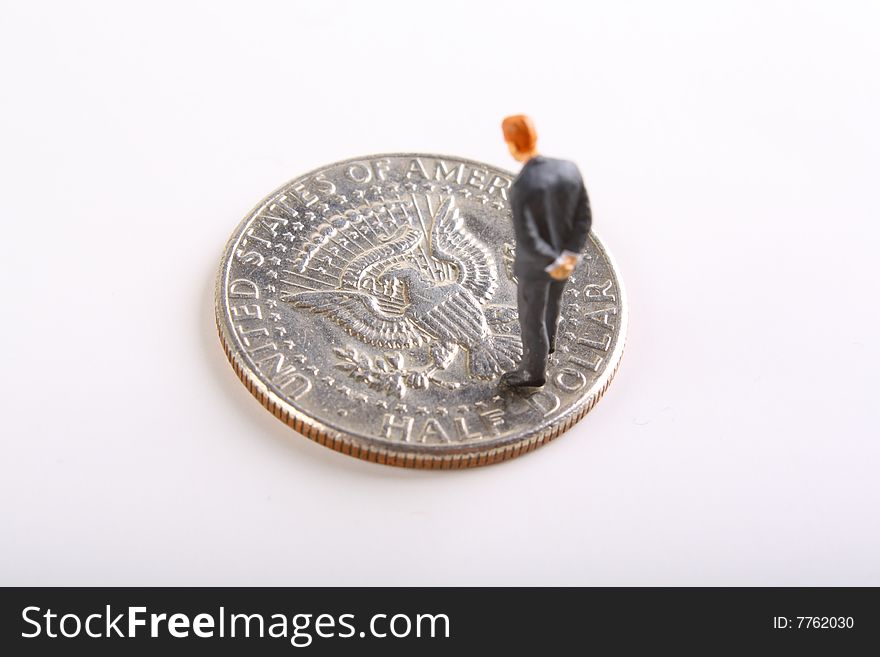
[521, 379]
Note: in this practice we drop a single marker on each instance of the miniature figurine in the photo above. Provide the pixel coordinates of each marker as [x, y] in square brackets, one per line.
[551, 220]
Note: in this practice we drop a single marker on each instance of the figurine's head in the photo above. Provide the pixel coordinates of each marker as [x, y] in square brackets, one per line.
[521, 138]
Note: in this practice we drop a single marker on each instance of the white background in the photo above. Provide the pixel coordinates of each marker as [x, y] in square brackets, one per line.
[731, 153]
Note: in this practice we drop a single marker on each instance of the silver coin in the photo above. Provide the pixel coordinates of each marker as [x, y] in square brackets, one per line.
[371, 306]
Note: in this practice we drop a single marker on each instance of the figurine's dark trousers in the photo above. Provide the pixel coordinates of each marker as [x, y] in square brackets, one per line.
[538, 298]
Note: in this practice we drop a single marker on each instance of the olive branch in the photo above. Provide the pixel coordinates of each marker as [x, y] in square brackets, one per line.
[386, 373]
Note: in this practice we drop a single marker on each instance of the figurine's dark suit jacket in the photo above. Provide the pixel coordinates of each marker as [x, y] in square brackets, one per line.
[551, 214]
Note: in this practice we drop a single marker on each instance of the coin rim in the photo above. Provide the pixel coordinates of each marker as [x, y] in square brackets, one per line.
[422, 456]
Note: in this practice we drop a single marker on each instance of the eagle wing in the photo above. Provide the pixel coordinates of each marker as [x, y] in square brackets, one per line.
[334, 274]
[451, 241]
[361, 316]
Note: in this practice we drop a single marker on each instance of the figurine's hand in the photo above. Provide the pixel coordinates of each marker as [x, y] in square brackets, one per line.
[564, 269]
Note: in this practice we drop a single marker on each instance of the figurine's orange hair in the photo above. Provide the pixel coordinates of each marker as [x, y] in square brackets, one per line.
[520, 131]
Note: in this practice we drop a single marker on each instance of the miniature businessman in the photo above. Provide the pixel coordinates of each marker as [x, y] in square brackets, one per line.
[551, 220]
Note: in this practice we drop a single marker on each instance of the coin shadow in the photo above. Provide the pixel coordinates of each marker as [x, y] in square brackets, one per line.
[233, 393]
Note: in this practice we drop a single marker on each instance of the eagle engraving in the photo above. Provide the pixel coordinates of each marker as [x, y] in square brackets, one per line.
[403, 274]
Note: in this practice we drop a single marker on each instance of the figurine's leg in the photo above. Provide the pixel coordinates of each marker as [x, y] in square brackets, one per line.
[532, 300]
[551, 317]
[531, 296]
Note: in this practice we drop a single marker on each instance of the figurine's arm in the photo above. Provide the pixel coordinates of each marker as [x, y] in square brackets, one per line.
[534, 242]
[580, 228]
[561, 268]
